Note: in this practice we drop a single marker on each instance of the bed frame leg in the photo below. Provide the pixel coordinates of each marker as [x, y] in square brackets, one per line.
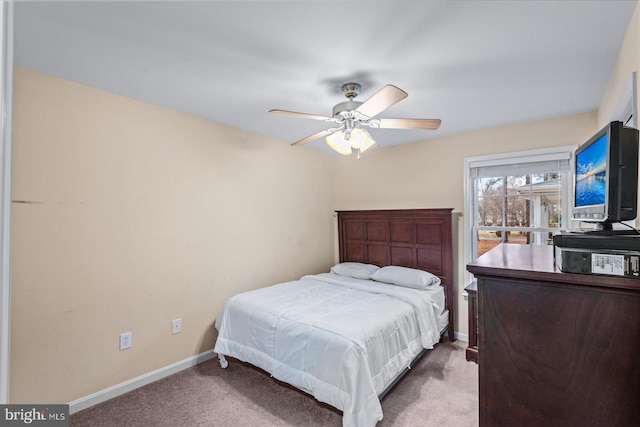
[223, 361]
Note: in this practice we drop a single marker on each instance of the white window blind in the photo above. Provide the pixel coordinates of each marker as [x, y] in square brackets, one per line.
[520, 165]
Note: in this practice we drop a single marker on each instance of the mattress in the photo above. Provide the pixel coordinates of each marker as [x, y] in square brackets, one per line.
[340, 339]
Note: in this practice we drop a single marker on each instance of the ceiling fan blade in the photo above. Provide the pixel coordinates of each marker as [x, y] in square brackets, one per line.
[383, 99]
[429, 124]
[314, 136]
[304, 115]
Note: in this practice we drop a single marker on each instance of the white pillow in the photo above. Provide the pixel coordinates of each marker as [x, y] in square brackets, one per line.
[357, 270]
[407, 277]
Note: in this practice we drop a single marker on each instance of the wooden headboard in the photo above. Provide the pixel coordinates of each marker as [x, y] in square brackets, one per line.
[415, 238]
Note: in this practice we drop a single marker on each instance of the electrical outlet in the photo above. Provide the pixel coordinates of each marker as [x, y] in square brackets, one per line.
[125, 341]
[176, 326]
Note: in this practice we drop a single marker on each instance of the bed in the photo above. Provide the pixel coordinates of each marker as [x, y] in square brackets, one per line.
[348, 335]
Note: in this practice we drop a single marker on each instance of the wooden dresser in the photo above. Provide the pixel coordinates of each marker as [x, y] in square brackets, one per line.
[555, 349]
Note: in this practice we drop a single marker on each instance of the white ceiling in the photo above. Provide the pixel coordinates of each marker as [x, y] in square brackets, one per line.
[473, 64]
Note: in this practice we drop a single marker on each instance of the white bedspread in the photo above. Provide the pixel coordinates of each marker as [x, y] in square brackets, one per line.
[341, 340]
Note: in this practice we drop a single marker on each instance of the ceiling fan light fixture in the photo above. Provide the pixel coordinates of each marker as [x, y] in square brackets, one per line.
[354, 139]
[361, 140]
[338, 143]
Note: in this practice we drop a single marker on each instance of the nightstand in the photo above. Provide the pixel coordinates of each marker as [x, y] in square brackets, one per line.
[472, 348]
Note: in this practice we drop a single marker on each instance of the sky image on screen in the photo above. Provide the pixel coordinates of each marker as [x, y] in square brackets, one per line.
[591, 173]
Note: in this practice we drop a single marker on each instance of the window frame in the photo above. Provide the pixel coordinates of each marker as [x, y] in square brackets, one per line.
[505, 159]
[626, 109]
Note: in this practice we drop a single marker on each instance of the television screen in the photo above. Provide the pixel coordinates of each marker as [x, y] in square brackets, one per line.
[591, 174]
[606, 177]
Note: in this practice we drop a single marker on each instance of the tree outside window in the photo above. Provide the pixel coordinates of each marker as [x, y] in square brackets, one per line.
[521, 209]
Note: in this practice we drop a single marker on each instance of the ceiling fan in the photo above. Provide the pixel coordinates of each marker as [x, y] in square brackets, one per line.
[351, 116]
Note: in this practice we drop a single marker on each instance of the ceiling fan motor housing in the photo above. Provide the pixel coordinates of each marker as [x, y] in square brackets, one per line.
[344, 110]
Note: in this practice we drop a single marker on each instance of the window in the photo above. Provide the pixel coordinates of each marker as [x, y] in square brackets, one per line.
[520, 198]
[517, 209]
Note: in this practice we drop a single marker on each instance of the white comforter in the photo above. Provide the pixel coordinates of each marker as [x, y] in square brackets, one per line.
[342, 340]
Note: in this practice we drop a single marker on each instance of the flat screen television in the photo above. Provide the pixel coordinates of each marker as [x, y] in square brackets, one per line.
[606, 177]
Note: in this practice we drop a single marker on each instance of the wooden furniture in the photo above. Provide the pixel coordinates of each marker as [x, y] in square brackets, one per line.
[415, 238]
[472, 307]
[555, 349]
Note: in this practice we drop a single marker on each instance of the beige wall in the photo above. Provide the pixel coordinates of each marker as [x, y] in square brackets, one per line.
[430, 174]
[126, 216]
[627, 62]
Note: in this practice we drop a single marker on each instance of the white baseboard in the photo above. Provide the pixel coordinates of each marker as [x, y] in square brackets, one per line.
[462, 337]
[142, 380]
[127, 386]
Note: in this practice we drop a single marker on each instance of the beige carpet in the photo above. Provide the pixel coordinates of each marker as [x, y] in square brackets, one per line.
[440, 390]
